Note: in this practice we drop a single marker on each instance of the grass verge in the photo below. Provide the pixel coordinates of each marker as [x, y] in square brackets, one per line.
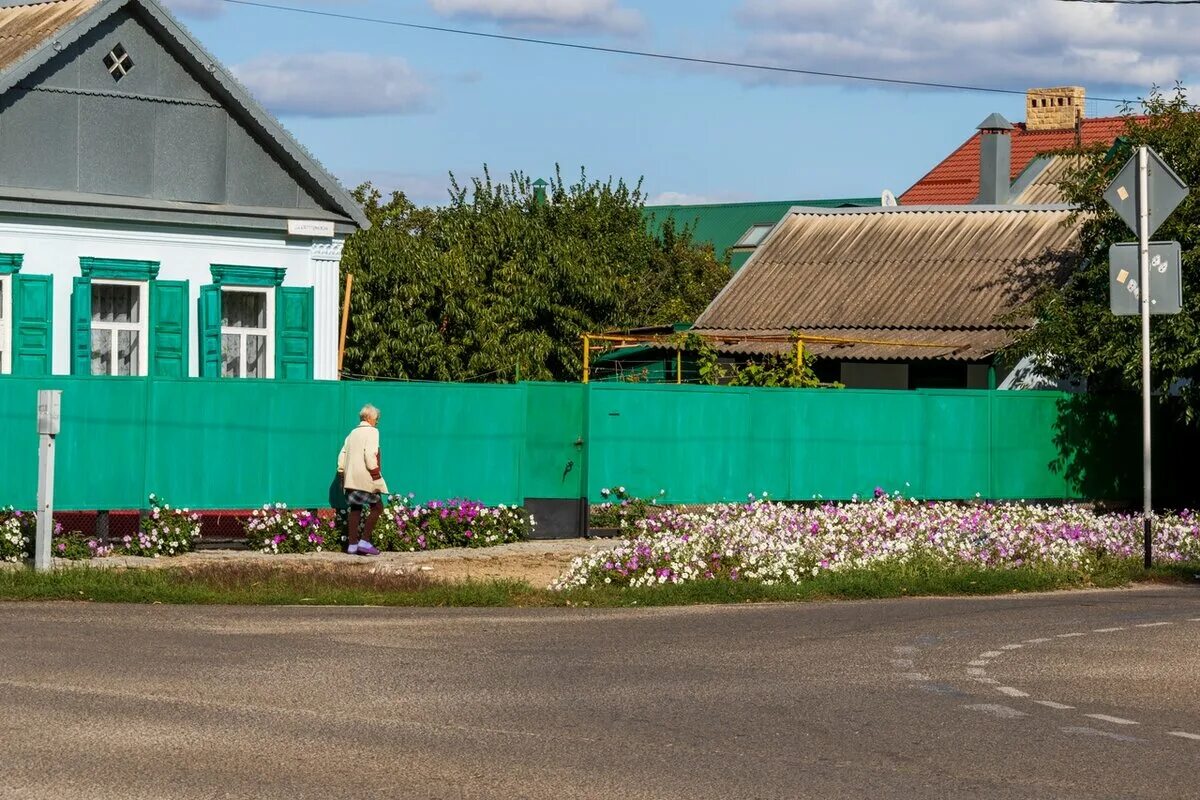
[266, 584]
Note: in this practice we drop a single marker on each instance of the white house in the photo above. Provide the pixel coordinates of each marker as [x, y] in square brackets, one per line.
[154, 219]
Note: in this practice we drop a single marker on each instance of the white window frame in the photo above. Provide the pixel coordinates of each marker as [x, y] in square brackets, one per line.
[748, 239]
[6, 324]
[142, 326]
[269, 331]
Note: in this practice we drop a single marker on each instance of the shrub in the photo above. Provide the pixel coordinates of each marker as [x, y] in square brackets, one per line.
[621, 509]
[165, 531]
[407, 527]
[17, 531]
[276, 529]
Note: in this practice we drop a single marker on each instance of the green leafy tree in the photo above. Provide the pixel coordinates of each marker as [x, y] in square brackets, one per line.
[499, 281]
[1076, 334]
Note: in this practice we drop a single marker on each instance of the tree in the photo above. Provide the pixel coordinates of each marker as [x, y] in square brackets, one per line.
[1076, 334]
[499, 282]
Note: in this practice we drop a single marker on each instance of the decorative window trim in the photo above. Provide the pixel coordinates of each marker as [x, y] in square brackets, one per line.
[6, 321]
[234, 275]
[242, 333]
[142, 326]
[118, 269]
[10, 263]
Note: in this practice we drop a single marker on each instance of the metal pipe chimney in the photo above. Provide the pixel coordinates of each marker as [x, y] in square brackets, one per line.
[995, 160]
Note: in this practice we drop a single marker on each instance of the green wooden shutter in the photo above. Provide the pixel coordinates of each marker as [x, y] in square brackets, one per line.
[294, 333]
[168, 329]
[81, 327]
[210, 331]
[33, 313]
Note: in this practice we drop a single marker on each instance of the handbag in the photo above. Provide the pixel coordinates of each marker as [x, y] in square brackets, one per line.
[337, 493]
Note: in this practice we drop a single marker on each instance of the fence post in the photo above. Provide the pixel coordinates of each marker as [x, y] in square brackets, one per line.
[48, 422]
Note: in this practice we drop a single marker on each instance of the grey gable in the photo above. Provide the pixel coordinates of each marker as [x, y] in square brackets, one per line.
[177, 135]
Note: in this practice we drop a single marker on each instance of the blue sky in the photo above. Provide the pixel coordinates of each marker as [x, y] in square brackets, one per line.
[403, 108]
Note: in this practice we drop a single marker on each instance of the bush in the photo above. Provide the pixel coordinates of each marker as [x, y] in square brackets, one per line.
[165, 531]
[408, 527]
[17, 531]
[275, 529]
[621, 509]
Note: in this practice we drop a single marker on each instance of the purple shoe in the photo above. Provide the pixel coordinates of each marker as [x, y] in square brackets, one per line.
[367, 549]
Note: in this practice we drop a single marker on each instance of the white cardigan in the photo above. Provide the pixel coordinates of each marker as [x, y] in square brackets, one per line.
[359, 461]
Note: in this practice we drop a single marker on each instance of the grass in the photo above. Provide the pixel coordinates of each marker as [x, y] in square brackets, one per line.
[267, 584]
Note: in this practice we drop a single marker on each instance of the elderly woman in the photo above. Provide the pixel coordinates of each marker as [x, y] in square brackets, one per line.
[362, 479]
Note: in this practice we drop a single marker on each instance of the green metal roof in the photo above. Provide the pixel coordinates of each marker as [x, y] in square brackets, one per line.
[724, 223]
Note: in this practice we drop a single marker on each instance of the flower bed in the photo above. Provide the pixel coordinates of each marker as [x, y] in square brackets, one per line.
[621, 509]
[276, 529]
[776, 543]
[408, 527]
[17, 529]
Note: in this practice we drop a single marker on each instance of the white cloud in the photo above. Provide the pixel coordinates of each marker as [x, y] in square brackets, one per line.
[1018, 44]
[335, 84]
[562, 16]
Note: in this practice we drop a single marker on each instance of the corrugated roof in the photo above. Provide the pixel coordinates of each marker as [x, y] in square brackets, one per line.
[956, 179]
[22, 28]
[886, 270]
[875, 344]
[1043, 187]
[723, 224]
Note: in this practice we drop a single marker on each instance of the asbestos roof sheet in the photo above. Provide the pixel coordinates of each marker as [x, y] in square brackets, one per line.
[875, 344]
[956, 179]
[935, 268]
[24, 27]
[1044, 186]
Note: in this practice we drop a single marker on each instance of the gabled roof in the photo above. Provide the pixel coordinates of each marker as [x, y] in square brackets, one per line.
[906, 282]
[956, 179]
[31, 34]
[723, 224]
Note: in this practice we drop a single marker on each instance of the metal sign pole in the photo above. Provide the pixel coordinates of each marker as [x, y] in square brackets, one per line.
[49, 414]
[1143, 232]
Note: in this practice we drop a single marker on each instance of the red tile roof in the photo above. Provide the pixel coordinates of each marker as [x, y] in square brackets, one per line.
[955, 181]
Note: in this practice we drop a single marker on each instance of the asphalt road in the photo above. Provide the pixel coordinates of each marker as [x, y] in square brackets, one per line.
[1079, 695]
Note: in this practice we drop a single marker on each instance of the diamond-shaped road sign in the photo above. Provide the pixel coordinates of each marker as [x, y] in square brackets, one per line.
[1166, 191]
[1166, 279]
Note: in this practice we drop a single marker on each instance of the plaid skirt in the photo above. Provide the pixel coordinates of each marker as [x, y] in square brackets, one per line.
[357, 497]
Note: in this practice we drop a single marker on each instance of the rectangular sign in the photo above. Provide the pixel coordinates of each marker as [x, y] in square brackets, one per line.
[310, 227]
[1166, 279]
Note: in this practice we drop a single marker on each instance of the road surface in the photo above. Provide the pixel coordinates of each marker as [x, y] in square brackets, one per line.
[1073, 695]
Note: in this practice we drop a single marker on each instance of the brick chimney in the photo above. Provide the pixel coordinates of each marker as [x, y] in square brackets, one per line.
[1056, 109]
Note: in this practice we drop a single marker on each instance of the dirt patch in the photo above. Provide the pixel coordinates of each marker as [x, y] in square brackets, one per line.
[538, 562]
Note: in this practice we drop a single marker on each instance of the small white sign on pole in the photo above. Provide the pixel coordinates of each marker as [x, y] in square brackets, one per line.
[49, 422]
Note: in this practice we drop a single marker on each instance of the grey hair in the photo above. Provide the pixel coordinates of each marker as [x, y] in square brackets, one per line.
[368, 412]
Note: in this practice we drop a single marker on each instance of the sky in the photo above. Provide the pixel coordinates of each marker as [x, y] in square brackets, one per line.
[404, 108]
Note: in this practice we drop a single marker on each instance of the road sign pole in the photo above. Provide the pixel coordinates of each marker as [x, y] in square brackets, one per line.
[1143, 232]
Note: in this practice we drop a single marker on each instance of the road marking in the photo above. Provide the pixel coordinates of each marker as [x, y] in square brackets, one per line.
[1153, 624]
[904, 651]
[991, 654]
[1194, 619]
[1012, 647]
[1107, 630]
[1185, 735]
[914, 676]
[1052, 704]
[996, 710]
[976, 671]
[1036, 641]
[1106, 734]
[1114, 720]
[1011, 692]
[902, 663]
[981, 662]
[1070, 635]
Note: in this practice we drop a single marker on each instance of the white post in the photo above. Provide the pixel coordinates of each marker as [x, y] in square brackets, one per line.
[49, 404]
[1143, 212]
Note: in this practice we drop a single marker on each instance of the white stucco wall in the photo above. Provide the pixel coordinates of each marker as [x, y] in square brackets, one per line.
[54, 247]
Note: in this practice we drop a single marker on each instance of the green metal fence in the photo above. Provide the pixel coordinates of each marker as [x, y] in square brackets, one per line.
[213, 444]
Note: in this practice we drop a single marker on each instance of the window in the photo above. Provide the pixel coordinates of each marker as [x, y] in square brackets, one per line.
[247, 319]
[118, 63]
[118, 328]
[5, 324]
[754, 236]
